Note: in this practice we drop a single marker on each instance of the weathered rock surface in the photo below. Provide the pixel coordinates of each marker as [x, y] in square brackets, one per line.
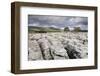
[34, 51]
[53, 46]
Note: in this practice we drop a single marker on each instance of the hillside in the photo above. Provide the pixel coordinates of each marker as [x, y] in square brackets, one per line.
[43, 29]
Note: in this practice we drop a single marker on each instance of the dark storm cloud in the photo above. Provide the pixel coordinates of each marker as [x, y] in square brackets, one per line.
[58, 21]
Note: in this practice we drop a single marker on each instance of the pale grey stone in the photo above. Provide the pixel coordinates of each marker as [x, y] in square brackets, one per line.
[34, 51]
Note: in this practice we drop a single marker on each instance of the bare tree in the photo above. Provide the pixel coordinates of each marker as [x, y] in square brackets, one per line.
[77, 29]
[66, 29]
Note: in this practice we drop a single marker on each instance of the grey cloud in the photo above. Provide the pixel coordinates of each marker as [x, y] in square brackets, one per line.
[59, 21]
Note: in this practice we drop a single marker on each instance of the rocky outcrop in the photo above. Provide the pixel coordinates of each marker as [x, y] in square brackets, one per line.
[53, 46]
[34, 51]
[45, 49]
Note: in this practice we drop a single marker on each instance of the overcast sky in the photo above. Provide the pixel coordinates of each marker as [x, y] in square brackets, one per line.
[58, 21]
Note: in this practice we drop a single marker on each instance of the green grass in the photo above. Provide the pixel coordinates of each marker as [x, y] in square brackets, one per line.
[42, 29]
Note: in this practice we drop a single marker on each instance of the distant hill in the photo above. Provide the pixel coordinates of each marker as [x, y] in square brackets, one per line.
[43, 29]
